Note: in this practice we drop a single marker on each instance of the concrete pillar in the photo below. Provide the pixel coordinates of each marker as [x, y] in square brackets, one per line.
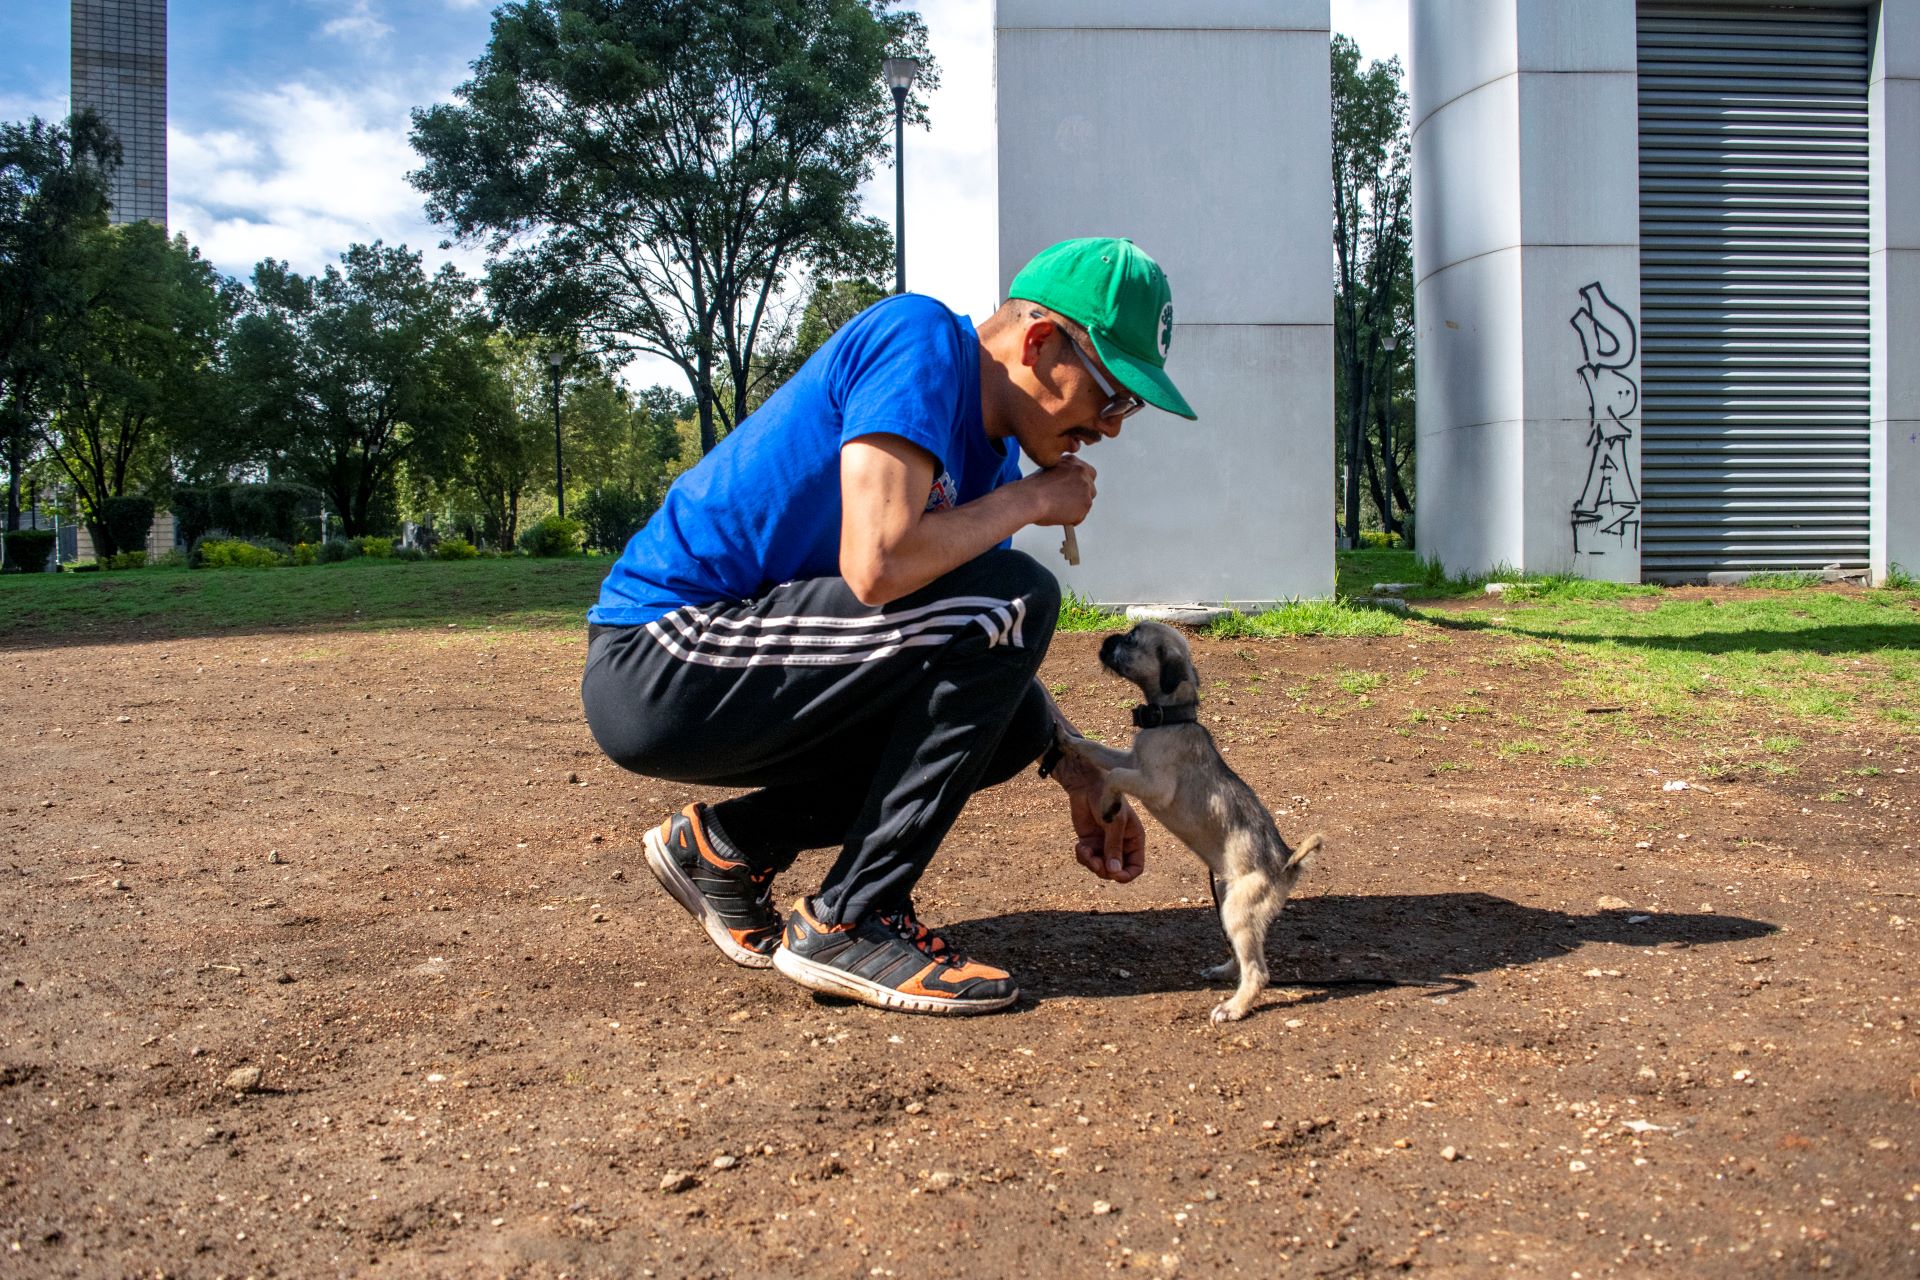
[1893, 105]
[1527, 284]
[1200, 130]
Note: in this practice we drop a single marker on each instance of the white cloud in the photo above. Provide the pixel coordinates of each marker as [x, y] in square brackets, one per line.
[303, 171]
[359, 23]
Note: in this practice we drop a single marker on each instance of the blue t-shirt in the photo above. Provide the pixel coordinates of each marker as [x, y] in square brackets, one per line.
[764, 507]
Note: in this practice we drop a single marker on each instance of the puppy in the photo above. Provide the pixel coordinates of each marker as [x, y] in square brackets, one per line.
[1176, 771]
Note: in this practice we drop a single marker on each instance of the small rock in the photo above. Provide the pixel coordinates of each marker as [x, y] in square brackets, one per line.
[619, 877]
[1101, 1208]
[1449, 1154]
[1643, 1126]
[600, 917]
[123, 719]
[1610, 903]
[273, 856]
[942, 1179]
[118, 884]
[1576, 1166]
[573, 777]
[1676, 784]
[915, 1107]
[242, 1080]
[678, 1180]
[1498, 588]
[1881, 1144]
[725, 1162]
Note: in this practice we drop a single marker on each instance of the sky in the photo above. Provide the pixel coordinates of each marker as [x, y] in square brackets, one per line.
[288, 122]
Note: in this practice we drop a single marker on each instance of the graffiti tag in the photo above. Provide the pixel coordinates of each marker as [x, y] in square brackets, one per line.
[1606, 516]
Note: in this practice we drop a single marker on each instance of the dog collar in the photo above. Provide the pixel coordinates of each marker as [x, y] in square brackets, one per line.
[1152, 717]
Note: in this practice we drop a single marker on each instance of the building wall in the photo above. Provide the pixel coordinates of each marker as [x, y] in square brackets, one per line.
[1200, 131]
[1526, 159]
[1893, 105]
[1526, 269]
[120, 71]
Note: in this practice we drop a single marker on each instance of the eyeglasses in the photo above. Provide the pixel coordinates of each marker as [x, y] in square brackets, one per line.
[1120, 404]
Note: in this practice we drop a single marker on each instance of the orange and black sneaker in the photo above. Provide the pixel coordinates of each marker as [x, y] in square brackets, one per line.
[732, 899]
[875, 963]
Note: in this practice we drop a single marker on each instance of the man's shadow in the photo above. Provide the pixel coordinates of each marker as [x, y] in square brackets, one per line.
[1336, 942]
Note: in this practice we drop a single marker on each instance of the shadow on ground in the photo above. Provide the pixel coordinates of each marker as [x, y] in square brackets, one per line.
[1432, 942]
[1846, 638]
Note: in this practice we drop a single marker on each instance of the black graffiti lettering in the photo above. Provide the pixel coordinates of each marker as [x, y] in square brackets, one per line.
[1606, 516]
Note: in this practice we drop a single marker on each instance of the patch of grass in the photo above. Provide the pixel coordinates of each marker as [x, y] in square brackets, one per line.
[1781, 581]
[1359, 682]
[1865, 771]
[1836, 797]
[1077, 614]
[1898, 579]
[359, 593]
[1574, 762]
[1828, 655]
[1514, 750]
[1309, 618]
[1786, 744]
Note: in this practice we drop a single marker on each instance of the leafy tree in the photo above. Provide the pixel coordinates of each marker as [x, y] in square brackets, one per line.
[651, 174]
[53, 190]
[830, 304]
[139, 362]
[1373, 255]
[345, 377]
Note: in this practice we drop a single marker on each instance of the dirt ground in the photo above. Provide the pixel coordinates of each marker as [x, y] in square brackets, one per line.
[388, 870]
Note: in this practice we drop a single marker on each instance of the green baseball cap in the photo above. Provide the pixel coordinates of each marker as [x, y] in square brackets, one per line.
[1122, 297]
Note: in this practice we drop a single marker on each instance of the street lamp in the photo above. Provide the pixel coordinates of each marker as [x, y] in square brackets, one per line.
[555, 360]
[1390, 342]
[900, 73]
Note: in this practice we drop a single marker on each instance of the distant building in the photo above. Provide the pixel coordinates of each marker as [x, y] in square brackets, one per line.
[120, 71]
[1668, 258]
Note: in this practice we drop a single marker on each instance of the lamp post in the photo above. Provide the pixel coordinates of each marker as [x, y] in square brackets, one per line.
[900, 73]
[555, 360]
[1390, 342]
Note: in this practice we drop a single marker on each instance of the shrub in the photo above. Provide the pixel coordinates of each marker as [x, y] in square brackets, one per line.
[375, 546]
[304, 553]
[553, 536]
[277, 510]
[1379, 539]
[237, 553]
[126, 560]
[334, 550]
[455, 549]
[610, 517]
[90, 566]
[123, 524]
[409, 553]
[28, 550]
[173, 558]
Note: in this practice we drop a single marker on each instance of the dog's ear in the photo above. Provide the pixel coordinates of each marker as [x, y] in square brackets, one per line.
[1178, 681]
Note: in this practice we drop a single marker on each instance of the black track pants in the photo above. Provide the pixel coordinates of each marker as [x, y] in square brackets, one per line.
[864, 727]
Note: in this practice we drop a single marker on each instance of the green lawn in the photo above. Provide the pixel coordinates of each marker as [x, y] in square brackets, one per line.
[1809, 653]
[366, 593]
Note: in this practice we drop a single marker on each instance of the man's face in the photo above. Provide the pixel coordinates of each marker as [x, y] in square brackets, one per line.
[1068, 407]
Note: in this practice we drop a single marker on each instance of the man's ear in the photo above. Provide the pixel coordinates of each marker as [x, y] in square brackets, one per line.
[1035, 337]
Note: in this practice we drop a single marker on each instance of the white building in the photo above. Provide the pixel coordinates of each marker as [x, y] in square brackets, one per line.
[1667, 264]
[1187, 127]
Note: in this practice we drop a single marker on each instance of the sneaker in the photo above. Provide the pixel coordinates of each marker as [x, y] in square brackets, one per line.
[934, 946]
[732, 901]
[872, 962]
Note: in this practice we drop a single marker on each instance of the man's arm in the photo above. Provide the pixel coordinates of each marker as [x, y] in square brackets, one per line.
[1116, 850]
[891, 546]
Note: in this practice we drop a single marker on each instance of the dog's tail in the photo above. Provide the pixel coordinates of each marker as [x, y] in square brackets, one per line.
[1301, 856]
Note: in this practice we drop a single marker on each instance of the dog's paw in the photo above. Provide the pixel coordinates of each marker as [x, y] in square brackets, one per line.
[1227, 972]
[1226, 1011]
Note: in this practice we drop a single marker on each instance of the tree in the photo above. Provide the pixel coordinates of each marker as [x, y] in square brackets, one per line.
[651, 174]
[1373, 255]
[345, 377]
[53, 190]
[137, 364]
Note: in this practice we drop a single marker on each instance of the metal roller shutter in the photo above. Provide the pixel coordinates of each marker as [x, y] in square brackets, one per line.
[1753, 289]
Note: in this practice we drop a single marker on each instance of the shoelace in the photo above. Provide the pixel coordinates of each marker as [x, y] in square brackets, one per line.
[932, 945]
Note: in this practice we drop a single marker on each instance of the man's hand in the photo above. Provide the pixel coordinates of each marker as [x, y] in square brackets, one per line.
[1116, 850]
